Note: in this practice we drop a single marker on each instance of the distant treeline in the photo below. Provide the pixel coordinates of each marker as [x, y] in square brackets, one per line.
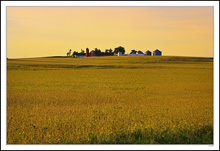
[116, 51]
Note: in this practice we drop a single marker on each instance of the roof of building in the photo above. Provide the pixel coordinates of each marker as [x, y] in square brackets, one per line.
[140, 52]
[157, 50]
[81, 54]
[104, 54]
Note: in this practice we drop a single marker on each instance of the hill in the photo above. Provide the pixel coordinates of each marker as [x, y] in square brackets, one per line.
[108, 62]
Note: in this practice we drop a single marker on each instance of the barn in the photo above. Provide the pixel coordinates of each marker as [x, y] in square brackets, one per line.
[92, 53]
[157, 53]
[148, 53]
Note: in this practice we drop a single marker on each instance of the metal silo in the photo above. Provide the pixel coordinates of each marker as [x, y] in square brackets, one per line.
[140, 52]
[157, 53]
[148, 53]
[87, 52]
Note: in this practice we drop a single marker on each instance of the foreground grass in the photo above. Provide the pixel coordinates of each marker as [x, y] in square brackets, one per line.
[110, 100]
[203, 135]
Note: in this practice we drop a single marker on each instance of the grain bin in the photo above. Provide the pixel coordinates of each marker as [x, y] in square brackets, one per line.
[140, 52]
[157, 53]
[148, 53]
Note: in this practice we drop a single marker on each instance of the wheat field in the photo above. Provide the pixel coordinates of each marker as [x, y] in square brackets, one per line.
[110, 100]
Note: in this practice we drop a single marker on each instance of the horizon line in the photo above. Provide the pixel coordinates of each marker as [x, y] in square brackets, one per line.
[102, 56]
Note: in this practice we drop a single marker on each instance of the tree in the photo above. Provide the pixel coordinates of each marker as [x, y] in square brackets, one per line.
[108, 50]
[74, 53]
[97, 50]
[133, 51]
[68, 53]
[82, 51]
[119, 49]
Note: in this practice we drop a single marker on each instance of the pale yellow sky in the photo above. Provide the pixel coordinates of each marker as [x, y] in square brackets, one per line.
[52, 31]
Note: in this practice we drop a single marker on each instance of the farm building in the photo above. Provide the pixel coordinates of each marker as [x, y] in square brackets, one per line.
[104, 54]
[140, 52]
[92, 53]
[87, 52]
[97, 53]
[148, 53]
[120, 54]
[157, 53]
[81, 55]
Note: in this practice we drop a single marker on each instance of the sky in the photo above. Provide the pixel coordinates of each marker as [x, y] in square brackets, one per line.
[52, 31]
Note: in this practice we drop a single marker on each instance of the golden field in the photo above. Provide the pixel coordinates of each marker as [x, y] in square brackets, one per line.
[110, 100]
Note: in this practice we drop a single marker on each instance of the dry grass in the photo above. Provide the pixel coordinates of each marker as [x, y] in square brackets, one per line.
[110, 100]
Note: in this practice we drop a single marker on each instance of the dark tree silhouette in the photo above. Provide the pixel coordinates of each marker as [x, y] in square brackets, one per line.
[82, 51]
[119, 49]
[108, 50]
[69, 53]
[74, 53]
[133, 51]
[97, 50]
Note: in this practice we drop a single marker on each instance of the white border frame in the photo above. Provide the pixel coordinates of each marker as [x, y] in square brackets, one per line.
[215, 4]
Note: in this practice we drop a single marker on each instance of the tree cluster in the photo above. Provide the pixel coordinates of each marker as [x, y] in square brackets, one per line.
[108, 50]
[116, 51]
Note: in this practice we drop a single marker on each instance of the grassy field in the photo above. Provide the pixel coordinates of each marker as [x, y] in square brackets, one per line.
[110, 100]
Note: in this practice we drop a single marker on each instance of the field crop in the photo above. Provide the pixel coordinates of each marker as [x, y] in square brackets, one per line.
[110, 100]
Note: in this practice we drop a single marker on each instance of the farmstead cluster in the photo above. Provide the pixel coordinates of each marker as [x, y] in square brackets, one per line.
[120, 52]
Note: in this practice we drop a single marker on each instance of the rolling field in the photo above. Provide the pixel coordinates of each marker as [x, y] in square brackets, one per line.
[110, 100]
